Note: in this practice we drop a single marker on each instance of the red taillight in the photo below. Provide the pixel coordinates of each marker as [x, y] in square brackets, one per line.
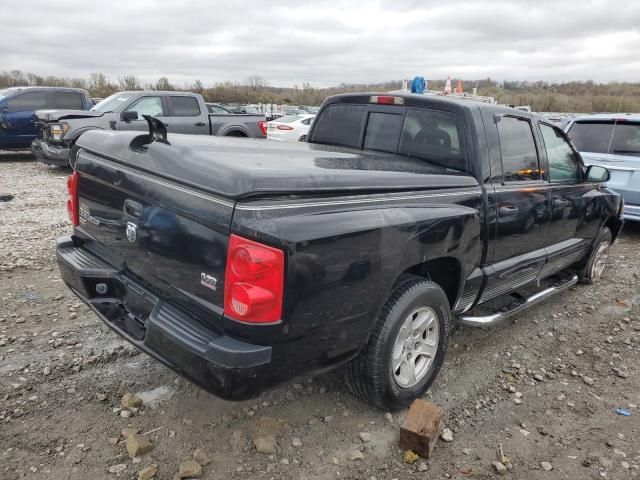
[254, 281]
[284, 127]
[263, 127]
[386, 100]
[72, 199]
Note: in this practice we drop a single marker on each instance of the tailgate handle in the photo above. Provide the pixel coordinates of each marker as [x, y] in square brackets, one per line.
[133, 209]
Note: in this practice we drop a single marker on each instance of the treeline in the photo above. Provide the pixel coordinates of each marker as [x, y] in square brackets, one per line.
[542, 96]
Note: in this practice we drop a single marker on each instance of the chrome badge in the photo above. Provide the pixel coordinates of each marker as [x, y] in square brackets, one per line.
[208, 281]
[132, 232]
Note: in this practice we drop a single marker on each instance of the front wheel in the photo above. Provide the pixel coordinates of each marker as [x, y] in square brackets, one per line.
[592, 272]
[407, 347]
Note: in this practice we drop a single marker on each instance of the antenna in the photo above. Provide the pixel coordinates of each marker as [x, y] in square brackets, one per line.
[615, 122]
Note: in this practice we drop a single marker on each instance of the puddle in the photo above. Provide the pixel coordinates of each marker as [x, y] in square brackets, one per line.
[153, 398]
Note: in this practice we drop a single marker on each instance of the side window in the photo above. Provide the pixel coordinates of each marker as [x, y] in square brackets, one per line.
[563, 166]
[519, 154]
[147, 106]
[27, 102]
[434, 136]
[340, 124]
[306, 121]
[67, 100]
[184, 106]
[383, 131]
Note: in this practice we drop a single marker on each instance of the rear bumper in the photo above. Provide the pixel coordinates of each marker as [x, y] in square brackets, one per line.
[49, 154]
[225, 366]
[631, 212]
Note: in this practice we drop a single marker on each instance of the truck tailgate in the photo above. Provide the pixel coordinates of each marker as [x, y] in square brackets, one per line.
[171, 237]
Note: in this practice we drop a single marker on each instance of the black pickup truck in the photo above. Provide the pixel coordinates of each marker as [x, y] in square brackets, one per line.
[242, 265]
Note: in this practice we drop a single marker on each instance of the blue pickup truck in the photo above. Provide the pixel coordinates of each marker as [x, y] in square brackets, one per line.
[18, 104]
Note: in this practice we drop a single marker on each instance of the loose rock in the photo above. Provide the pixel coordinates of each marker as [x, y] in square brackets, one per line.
[499, 467]
[296, 442]
[138, 445]
[116, 469]
[266, 444]
[357, 455]
[148, 473]
[446, 435]
[130, 400]
[200, 456]
[365, 437]
[189, 469]
[546, 466]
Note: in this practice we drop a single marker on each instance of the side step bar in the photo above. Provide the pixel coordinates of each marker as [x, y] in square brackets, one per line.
[518, 306]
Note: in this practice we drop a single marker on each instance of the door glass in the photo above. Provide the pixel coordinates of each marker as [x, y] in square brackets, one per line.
[70, 100]
[562, 162]
[184, 106]
[28, 102]
[151, 106]
[519, 154]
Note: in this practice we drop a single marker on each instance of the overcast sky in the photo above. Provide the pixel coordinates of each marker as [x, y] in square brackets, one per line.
[289, 42]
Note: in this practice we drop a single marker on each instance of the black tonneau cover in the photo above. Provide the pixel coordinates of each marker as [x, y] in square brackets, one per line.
[240, 167]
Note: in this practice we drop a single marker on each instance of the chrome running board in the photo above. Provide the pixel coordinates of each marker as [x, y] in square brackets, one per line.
[518, 306]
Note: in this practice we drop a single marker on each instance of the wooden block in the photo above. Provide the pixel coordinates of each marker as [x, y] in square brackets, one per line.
[421, 427]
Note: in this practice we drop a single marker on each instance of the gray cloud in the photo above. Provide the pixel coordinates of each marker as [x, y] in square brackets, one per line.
[325, 43]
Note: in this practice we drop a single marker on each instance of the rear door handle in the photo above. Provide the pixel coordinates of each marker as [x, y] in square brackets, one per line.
[133, 209]
[200, 124]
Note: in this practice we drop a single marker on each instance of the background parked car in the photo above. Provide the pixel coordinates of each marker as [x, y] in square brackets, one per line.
[290, 128]
[18, 104]
[215, 108]
[613, 141]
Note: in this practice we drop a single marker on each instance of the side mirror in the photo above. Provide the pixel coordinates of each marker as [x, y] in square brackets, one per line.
[596, 173]
[129, 115]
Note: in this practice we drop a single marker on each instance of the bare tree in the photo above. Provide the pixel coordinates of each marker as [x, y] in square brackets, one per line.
[163, 84]
[128, 82]
[197, 87]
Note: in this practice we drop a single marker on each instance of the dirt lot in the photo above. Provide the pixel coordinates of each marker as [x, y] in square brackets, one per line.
[545, 385]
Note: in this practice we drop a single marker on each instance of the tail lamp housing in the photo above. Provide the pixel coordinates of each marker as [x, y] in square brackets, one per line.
[263, 127]
[254, 281]
[73, 208]
[284, 127]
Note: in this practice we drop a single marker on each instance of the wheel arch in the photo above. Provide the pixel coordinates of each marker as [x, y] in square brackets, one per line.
[445, 271]
[235, 131]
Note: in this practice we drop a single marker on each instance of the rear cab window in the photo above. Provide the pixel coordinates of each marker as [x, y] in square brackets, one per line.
[606, 136]
[27, 102]
[68, 100]
[432, 135]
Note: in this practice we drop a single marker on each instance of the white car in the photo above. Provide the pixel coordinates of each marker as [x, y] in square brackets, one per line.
[290, 128]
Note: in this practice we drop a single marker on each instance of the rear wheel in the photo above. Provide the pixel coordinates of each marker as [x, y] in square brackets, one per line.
[592, 272]
[407, 347]
[303, 138]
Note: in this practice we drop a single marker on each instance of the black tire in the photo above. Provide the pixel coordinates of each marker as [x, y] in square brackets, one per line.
[370, 376]
[303, 138]
[588, 275]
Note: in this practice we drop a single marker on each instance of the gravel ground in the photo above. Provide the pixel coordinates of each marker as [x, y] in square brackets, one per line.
[545, 385]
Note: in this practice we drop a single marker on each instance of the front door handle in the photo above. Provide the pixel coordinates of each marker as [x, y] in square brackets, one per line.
[200, 124]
